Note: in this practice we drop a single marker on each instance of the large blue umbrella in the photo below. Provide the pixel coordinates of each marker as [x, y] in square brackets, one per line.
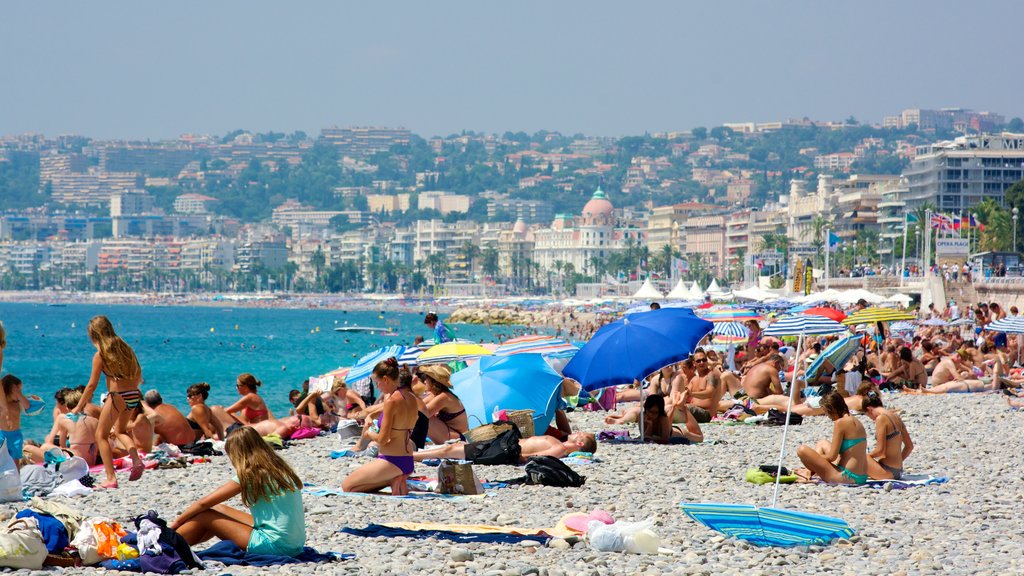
[517, 382]
[631, 348]
[768, 526]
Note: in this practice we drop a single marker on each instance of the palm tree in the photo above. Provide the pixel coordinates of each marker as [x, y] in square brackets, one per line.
[470, 251]
[998, 233]
[489, 263]
[867, 244]
[438, 265]
[776, 241]
[318, 260]
[668, 254]
[816, 232]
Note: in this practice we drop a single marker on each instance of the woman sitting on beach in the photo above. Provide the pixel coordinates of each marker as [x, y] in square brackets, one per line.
[395, 423]
[843, 460]
[116, 360]
[658, 421]
[893, 444]
[275, 523]
[249, 409]
[200, 416]
[74, 432]
[448, 420]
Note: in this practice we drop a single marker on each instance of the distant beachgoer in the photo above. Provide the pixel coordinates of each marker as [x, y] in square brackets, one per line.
[76, 433]
[893, 443]
[394, 462]
[169, 424]
[448, 420]
[60, 408]
[116, 360]
[843, 460]
[268, 486]
[655, 306]
[542, 445]
[441, 332]
[10, 424]
[249, 409]
[200, 417]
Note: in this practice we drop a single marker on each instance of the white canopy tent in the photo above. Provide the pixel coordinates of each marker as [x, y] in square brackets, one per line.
[648, 292]
[714, 287]
[695, 292]
[852, 296]
[679, 292]
[755, 294]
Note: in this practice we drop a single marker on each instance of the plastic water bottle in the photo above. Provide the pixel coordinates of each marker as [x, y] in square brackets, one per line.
[495, 413]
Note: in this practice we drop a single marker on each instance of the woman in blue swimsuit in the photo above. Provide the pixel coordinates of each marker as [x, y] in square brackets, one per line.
[844, 459]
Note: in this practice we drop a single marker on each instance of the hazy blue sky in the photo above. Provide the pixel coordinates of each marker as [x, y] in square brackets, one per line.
[159, 69]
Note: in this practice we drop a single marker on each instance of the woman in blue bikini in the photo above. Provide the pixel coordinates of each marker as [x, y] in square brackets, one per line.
[396, 422]
[844, 460]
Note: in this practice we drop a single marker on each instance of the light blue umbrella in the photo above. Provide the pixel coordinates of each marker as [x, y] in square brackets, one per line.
[768, 526]
[364, 366]
[517, 382]
[837, 354]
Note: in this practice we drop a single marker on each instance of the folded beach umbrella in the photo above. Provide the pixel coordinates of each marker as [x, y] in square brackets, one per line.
[768, 526]
[876, 314]
[730, 315]
[536, 344]
[633, 347]
[518, 382]
[823, 311]
[452, 352]
[837, 354]
[364, 366]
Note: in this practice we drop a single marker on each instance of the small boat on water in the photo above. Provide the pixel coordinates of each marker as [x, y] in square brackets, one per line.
[367, 329]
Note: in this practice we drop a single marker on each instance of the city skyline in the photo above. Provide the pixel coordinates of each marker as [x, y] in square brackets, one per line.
[125, 71]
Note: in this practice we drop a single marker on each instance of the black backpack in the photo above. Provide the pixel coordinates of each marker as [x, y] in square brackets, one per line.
[550, 471]
[503, 450]
[778, 418]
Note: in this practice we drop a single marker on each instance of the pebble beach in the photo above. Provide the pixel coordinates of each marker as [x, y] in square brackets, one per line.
[969, 525]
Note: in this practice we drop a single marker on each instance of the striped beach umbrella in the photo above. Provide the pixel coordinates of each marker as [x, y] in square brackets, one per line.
[1008, 325]
[363, 367]
[902, 326]
[452, 352]
[729, 333]
[872, 315]
[962, 322]
[804, 325]
[410, 356]
[836, 356]
[934, 322]
[729, 315]
[768, 526]
[535, 344]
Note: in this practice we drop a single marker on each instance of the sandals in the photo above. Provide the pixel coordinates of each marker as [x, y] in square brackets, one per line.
[137, 469]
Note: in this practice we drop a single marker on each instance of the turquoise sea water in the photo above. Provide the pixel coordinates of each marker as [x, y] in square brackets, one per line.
[47, 347]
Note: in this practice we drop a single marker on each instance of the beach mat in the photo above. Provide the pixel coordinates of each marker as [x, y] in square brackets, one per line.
[386, 493]
[908, 481]
[228, 553]
[453, 533]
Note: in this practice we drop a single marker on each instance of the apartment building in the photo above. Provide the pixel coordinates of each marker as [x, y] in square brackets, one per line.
[705, 235]
[363, 142]
[193, 204]
[956, 175]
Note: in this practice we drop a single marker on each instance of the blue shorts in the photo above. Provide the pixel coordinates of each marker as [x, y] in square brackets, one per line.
[15, 443]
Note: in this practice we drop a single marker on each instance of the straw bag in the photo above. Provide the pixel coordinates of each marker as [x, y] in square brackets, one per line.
[487, 431]
[523, 419]
[457, 478]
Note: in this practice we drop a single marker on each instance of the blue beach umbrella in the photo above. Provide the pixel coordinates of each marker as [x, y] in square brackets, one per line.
[517, 382]
[364, 366]
[768, 526]
[631, 348]
[837, 354]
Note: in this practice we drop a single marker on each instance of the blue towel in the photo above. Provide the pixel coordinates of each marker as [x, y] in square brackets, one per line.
[226, 552]
[54, 533]
[375, 530]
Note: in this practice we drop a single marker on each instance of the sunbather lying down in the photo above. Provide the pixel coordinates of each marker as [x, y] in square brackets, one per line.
[534, 446]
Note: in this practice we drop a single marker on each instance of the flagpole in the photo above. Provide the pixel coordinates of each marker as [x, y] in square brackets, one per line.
[828, 248]
[903, 266]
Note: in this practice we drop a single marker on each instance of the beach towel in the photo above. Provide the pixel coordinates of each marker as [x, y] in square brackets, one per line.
[465, 534]
[386, 493]
[581, 458]
[226, 552]
[908, 481]
[425, 484]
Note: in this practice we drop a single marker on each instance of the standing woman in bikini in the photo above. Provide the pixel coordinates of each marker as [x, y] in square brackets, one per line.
[116, 360]
[396, 422]
[848, 448]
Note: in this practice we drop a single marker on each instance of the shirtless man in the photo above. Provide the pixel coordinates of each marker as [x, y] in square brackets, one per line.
[169, 424]
[762, 380]
[534, 446]
[909, 372]
[705, 390]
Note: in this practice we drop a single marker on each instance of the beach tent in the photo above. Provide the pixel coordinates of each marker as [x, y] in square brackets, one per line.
[755, 294]
[713, 287]
[853, 296]
[648, 292]
[695, 292]
[679, 292]
[901, 299]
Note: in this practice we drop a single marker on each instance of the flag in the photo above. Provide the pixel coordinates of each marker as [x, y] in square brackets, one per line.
[911, 217]
[833, 241]
[979, 225]
[942, 222]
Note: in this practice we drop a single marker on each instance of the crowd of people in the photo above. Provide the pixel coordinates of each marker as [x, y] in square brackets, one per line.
[417, 415]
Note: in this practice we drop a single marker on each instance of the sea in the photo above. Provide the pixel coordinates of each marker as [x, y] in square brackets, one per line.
[48, 348]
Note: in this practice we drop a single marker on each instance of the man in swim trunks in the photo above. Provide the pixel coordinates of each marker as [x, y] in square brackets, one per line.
[169, 424]
[534, 446]
[10, 418]
[705, 390]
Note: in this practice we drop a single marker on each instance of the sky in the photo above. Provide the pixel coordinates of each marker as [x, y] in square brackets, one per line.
[150, 70]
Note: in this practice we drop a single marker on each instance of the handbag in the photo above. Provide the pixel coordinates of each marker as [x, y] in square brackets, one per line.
[457, 478]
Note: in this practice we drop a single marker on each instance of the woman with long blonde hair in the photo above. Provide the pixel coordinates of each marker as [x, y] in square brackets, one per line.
[116, 360]
[268, 487]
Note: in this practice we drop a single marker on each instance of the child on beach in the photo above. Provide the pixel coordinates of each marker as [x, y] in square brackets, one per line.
[10, 423]
[271, 490]
[116, 360]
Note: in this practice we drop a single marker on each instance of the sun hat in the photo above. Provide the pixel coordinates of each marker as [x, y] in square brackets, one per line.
[438, 373]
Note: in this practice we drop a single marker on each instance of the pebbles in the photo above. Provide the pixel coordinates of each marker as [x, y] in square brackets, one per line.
[968, 525]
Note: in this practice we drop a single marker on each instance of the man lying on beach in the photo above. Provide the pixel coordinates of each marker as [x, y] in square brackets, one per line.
[760, 381]
[534, 446]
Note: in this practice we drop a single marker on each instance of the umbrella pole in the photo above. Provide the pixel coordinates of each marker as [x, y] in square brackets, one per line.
[785, 428]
